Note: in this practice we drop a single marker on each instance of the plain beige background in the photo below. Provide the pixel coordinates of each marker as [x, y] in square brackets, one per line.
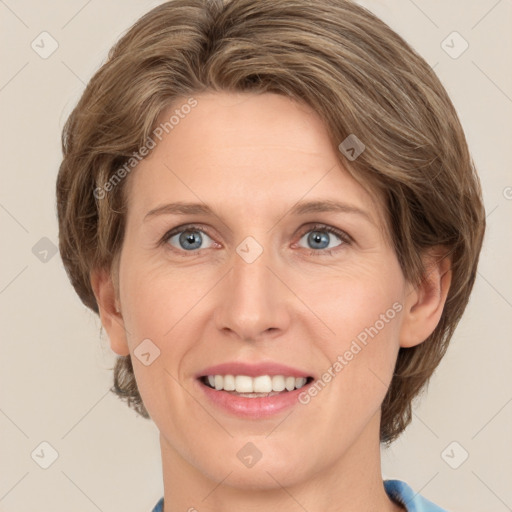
[55, 370]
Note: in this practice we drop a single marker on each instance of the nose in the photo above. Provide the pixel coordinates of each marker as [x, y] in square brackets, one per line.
[254, 303]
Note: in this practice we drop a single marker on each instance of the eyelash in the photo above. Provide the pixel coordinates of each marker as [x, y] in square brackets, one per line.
[344, 237]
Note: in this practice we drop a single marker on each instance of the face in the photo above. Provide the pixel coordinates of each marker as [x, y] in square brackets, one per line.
[261, 277]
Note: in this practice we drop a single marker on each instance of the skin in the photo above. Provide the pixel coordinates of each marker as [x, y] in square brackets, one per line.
[251, 158]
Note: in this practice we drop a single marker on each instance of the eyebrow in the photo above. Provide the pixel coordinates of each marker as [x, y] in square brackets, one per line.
[300, 208]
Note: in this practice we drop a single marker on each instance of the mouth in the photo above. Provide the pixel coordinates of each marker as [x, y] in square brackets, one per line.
[253, 397]
[255, 387]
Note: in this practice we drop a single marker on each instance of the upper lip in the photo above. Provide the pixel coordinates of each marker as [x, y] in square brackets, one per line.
[253, 369]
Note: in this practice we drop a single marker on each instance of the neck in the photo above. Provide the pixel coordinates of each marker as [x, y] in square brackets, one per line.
[351, 484]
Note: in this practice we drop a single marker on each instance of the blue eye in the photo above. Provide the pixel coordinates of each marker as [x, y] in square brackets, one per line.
[189, 239]
[320, 238]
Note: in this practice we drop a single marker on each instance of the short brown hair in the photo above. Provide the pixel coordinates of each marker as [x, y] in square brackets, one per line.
[335, 56]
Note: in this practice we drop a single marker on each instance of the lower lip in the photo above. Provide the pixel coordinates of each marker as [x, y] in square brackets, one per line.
[253, 408]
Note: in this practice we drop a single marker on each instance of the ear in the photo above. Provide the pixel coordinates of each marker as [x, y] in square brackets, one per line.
[425, 302]
[110, 316]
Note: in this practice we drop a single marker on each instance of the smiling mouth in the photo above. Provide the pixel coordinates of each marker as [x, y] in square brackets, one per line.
[254, 387]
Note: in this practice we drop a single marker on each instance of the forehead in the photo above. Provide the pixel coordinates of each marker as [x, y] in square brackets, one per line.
[255, 152]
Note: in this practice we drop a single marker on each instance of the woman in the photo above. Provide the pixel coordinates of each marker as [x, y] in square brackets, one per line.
[273, 209]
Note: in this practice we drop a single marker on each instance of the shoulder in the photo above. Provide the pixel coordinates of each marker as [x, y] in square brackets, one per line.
[159, 506]
[402, 493]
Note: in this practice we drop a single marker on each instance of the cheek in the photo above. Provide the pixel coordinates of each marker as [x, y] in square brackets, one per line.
[362, 310]
[157, 298]
[159, 309]
[351, 301]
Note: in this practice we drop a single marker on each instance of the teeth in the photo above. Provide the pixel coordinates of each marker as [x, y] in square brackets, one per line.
[260, 384]
[278, 383]
[243, 384]
[300, 381]
[290, 383]
[229, 383]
